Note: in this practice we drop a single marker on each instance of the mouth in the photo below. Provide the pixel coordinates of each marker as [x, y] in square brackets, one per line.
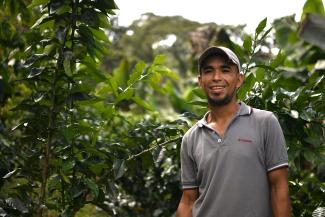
[217, 88]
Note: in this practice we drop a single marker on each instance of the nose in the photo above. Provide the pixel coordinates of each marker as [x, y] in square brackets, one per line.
[217, 75]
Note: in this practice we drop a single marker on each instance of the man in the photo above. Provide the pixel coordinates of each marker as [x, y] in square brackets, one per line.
[233, 161]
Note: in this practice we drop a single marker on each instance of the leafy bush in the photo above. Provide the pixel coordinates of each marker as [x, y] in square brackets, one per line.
[78, 138]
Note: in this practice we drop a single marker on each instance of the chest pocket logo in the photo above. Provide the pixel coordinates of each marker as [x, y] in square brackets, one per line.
[244, 140]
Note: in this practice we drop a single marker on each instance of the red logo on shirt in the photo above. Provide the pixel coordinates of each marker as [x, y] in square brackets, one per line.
[245, 140]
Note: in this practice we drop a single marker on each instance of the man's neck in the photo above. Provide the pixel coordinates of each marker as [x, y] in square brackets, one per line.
[222, 113]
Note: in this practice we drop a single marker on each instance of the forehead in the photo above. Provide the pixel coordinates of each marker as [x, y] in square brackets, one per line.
[217, 60]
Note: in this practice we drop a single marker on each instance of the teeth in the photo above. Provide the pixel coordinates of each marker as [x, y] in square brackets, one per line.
[213, 88]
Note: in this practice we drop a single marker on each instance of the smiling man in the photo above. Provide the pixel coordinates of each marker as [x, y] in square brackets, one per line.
[234, 160]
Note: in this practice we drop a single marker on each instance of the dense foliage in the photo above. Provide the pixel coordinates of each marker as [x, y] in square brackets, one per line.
[91, 118]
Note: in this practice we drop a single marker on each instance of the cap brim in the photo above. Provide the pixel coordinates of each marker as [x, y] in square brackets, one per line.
[211, 51]
[215, 51]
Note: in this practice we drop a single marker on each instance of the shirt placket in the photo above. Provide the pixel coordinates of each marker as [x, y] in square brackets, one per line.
[216, 135]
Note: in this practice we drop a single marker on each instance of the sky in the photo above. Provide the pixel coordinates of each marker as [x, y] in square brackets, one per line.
[228, 12]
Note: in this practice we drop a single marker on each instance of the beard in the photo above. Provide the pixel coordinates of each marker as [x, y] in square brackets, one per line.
[219, 102]
[223, 101]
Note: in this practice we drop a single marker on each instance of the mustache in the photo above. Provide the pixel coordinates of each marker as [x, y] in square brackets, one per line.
[217, 85]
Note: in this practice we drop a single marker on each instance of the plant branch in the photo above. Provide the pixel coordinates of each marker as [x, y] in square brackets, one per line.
[152, 148]
[50, 126]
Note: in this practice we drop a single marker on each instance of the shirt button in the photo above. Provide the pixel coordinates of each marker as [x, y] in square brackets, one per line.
[219, 140]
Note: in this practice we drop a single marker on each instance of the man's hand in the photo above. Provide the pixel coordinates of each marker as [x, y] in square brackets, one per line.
[185, 205]
[278, 180]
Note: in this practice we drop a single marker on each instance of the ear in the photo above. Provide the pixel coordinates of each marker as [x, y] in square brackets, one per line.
[199, 79]
[240, 80]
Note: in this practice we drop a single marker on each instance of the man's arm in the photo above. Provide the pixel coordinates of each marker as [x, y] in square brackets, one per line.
[278, 180]
[185, 205]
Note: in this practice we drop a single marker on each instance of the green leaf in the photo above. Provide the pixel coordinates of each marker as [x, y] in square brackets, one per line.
[98, 168]
[49, 49]
[157, 86]
[90, 17]
[247, 86]
[199, 92]
[137, 72]
[76, 191]
[40, 20]
[248, 41]
[14, 7]
[267, 92]
[259, 74]
[125, 95]
[158, 154]
[103, 21]
[67, 68]
[54, 183]
[155, 78]
[70, 133]
[100, 34]
[266, 33]
[64, 177]
[172, 75]
[37, 3]
[15, 204]
[121, 73]
[34, 72]
[199, 103]
[92, 185]
[318, 81]
[80, 52]
[279, 59]
[8, 175]
[160, 69]
[118, 168]
[7, 30]
[164, 71]
[88, 62]
[288, 83]
[147, 160]
[159, 60]
[33, 59]
[113, 84]
[68, 166]
[313, 6]
[105, 5]
[54, 6]
[63, 9]
[142, 103]
[86, 36]
[261, 26]
[61, 34]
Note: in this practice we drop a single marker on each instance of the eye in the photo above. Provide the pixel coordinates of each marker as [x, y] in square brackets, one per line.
[207, 70]
[225, 69]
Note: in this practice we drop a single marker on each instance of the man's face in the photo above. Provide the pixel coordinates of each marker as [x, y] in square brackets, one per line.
[219, 80]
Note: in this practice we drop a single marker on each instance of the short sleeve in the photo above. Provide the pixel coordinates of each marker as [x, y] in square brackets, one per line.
[275, 148]
[188, 169]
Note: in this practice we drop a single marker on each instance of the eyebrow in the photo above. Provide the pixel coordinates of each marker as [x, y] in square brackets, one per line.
[227, 66]
[224, 66]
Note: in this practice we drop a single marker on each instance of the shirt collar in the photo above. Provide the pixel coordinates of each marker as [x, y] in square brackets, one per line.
[243, 110]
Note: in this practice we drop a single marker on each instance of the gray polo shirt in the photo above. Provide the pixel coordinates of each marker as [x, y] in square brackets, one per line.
[231, 172]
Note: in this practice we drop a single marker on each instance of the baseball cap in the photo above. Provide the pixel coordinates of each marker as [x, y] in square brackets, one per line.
[217, 50]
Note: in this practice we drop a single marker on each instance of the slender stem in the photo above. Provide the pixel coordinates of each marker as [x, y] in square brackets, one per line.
[47, 146]
[251, 54]
[51, 126]
[152, 148]
[74, 5]
[62, 192]
[132, 157]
